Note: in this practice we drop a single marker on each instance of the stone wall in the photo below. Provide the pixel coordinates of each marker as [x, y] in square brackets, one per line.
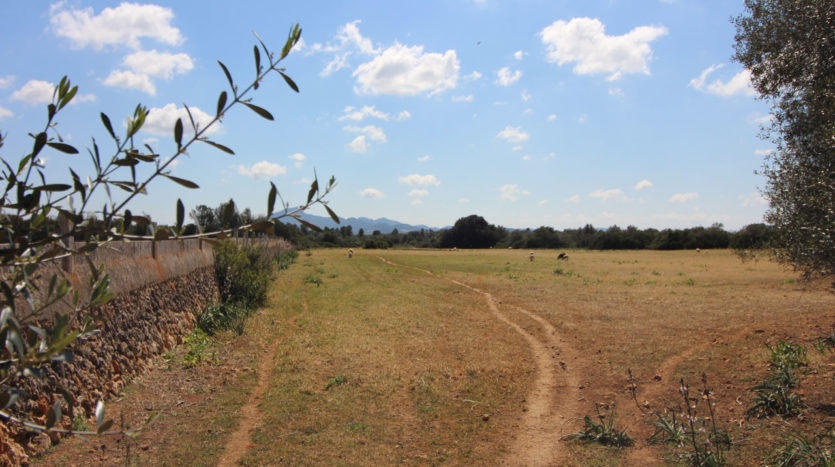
[158, 291]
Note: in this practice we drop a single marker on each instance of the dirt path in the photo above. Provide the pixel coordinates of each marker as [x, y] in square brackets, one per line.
[552, 400]
[240, 440]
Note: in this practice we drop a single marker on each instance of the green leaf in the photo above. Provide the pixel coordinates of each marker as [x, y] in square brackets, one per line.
[53, 415]
[65, 148]
[271, 199]
[314, 187]
[40, 142]
[178, 133]
[181, 210]
[228, 75]
[219, 146]
[182, 181]
[261, 225]
[126, 162]
[53, 187]
[68, 97]
[257, 60]
[310, 226]
[331, 213]
[106, 121]
[104, 426]
[221, 103]
[260, 111]
[289, 82]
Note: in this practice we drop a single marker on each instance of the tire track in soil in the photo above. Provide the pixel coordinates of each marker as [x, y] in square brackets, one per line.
[240, 440]
[554, 397]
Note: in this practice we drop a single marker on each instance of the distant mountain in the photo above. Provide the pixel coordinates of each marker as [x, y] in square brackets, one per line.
[368, 226]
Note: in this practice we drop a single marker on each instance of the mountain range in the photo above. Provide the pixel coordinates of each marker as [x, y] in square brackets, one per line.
[368, 226]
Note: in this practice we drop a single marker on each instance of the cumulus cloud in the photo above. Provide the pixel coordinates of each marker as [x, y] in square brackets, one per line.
[6, 81]
[424, 158]
[122, 25]
[419, 180]
[506, 77]
[419, 193]
[131, 80]
[473, 76]
[683, 197]
[359, 144]
[262, 170]
[299, 159]
[158, 64]
[615, 194]
[371, 111]
[583, 41]
[740, 84]
[5, 113]
[573, 199]
[525, 96]
[513, 134]
[753, 199]
[161, 120]
[763, 152]
[643, 184]
[371, 193]
[518, 55]
[35, 92]
[407, 71]
[552, 117]
[517, 148]
[348, 39]
[511, 192]
[759, 119]
[373, 133]
[468, 98]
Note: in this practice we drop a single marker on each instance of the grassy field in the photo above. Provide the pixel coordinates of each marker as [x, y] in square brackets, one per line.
[442, 357]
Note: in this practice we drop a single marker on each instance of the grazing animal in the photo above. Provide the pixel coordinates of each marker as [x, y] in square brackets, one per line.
[698, 250]
[350, 253]
[562, 256]
[532, 256]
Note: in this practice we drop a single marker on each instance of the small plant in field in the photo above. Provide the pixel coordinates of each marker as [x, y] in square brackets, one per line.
[311, 279]
[197, 342]
[692, 430]
[773, 395]
[826, 343]
[337, 381]
[286, 258]
[602, 431]
[79, 423]
[219, 316]
[801, 450]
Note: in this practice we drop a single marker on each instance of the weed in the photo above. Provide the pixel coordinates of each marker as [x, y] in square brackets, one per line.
[787, 355]
[800, 450]
[219, 316]
[774, 394]
[79, 423]
[311, 279]
[603, 432]
[197, 342]
[826, 343]
[568, 273]
[656, 273]
[337, 381]
[286, 258]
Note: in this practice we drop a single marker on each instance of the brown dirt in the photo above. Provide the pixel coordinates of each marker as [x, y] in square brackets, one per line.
[553, 397]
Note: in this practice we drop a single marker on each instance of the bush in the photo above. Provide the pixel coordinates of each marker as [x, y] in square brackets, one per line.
[243, 274]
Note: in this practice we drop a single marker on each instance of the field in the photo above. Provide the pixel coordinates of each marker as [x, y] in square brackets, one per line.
[483, 358]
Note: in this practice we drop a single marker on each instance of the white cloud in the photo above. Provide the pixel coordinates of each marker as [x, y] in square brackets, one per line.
[349, 39]
[543, 202]
[511, 192]
[299, 158]
[615, 92]
[683, 197]
[365, 112]
[403, 115]
[526, 157]
[552, 117]
[506, 77]
[573, 199]
[468, 98]
[643, 184]
[6, 81]
[374, 133]
[5, 113]
[262, 170]
[35, 92]
[760, 119]
[407, 71]
[525, 96]
[419, 180]
[753, 199]
[161, 120]
[424, 158]
[615, 194]
[416, 202]
[371, 193]
[519, 55]
[763, 152]
[160, 65]
[517, 148]
[359, 144]
[419, 193]
[584, 42]
[123, 25]
[131, 80]
[473, 76]
[740, 84]
[513, 134]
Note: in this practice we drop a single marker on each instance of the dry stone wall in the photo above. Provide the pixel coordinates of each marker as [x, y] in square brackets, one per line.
[158, 291]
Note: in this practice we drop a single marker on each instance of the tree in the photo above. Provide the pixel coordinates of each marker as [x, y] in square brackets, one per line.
[789, 48]
[28, 208]
[470, 232]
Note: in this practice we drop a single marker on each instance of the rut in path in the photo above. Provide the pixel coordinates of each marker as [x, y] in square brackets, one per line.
[553, 398]
[240, 440]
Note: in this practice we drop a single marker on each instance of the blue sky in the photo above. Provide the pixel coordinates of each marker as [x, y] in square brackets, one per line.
[528, 113]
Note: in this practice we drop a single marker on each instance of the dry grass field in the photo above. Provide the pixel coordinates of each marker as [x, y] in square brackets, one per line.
[480, 358]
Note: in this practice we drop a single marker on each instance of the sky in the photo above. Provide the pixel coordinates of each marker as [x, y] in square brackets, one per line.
[527, 112]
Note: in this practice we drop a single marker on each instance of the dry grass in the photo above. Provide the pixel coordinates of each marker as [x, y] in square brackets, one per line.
[387, 364]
